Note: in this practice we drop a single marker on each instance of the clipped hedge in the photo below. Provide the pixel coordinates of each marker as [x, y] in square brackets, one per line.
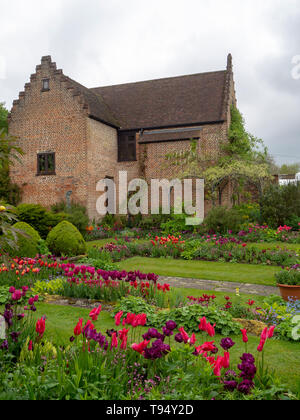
[27, 244]
[39, 217]
[65, 239]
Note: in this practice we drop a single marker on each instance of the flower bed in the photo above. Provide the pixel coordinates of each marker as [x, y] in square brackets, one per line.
[159, 364]
[210, 248]
[109, 286]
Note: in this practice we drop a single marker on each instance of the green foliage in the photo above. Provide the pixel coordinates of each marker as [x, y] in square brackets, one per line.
[100, 260]
[244, 161]
[9, 152]
[221, 220]
[7, 218]
[27, 241]
[175, 225]
[65, 239]
[3, 118]
[278, 204]
[154, 221]
[42, 247]
[289, 277]
[135, 305]
[294, 222]
[9, 192]
[250, 212]
[239, 173]
[291, 169]
[53, 287]
[39, 218]
[188, 317]
[75, 214]
[4, 295]
[242, 145]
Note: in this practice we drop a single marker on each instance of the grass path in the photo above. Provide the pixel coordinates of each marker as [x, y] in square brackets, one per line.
[204, 270]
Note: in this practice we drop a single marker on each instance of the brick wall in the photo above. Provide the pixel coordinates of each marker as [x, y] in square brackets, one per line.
[50, 121]
[157, 167]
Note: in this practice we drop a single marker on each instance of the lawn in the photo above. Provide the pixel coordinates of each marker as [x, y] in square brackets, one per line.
[205, 270]
[285, 356]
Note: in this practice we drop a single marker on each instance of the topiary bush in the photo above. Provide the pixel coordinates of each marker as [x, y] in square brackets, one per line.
[65, 239]
[39, 218]
[27, 245]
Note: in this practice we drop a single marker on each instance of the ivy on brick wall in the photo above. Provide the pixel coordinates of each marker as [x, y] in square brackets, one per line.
[242, 160]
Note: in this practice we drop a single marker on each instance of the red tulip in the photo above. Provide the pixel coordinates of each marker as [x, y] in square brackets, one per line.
[192, 339]
[208, 346]
[78, 328]
[114, 341]
[184, 334]
[245, 337]
[124, 342]
[140, 347]
[226, 360]
[95, 313]
[123, 335]
[118, 317]
[210, 329]
[263, 338]
[40, 327]
[218, 366]
[271, 331]
[202, 325]
[30, 345]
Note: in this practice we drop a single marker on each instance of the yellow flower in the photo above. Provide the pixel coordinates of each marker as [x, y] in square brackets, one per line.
[2, 208]
[237, 291]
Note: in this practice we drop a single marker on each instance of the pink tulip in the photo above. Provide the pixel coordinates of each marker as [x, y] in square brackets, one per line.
[95, 313]
[114, 341]
[245, 337]
[118, 317]
[192, 339]
[140, 347]
[271, 331]
[184, 334]
[202, 325]
[210, 329]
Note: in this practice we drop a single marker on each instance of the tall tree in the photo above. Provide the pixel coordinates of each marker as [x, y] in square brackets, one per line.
[9, 153]
[3, 117]
[289, 169]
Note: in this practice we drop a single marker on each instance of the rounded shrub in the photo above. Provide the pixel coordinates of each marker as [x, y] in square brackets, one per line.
[27, 241]
[39, 217]
[65, 239]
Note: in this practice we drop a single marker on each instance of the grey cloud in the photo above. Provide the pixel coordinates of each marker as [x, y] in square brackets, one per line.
[107, 42]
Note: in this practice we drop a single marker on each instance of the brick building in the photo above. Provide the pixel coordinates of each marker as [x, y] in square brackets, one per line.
[73, 136]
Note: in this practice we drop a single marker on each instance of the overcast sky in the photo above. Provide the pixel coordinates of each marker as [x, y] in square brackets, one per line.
[104, 42]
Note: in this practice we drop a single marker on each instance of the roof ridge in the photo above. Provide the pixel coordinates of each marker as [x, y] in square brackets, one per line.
[158, 79]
